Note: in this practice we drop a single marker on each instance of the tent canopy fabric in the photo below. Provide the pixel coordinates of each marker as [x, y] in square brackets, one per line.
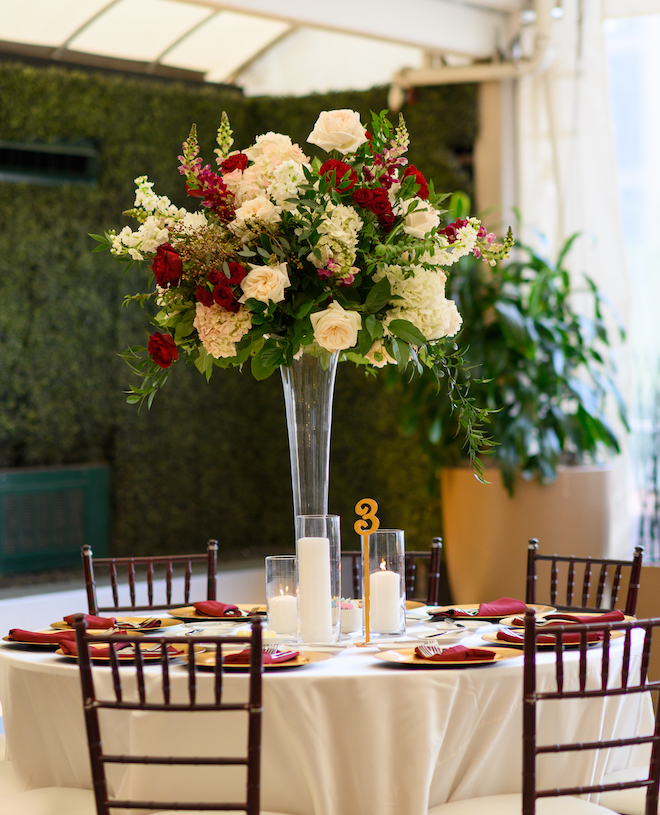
[274, 47]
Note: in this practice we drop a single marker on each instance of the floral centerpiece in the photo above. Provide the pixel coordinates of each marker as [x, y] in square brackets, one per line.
[287, 255]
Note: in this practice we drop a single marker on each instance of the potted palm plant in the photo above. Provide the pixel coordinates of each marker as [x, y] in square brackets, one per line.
[545, 370]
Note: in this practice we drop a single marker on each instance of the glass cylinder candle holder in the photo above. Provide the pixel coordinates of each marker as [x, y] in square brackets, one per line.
[318, 571]
[386, 584]
[281, 600]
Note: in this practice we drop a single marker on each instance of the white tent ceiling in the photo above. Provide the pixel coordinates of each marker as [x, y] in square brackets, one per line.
[272, 46]
[266, 46]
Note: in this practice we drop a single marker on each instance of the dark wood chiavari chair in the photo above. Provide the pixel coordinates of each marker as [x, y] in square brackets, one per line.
[129, 570]
[588, 685]
[579, 589]
[411, 559]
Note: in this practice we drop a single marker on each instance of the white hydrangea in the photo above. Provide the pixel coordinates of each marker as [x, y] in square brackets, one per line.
[339, 237]
[193, 221]
[148, 237]
[286, 180]
[422, 301]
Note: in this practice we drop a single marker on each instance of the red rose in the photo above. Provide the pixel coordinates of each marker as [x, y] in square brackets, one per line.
[162, 349]
[216, 277]
[224, 297]
[239, 161]
[204, 296]
[386, 221]
[363, 197]
[423, 191]
[236, 272]
[167, 266]
[380, 204]
[339, 169]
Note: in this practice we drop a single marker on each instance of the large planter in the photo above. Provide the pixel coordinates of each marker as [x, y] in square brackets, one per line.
[486, 531]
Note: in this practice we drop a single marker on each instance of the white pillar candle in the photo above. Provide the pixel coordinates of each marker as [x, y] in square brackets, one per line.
[314, 589]
[283, 614]
[384, 601]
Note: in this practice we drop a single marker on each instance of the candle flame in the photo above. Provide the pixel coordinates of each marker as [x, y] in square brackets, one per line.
[383, 566]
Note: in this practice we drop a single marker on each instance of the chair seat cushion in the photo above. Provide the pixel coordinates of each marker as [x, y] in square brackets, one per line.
[628, 802]
[512, 805]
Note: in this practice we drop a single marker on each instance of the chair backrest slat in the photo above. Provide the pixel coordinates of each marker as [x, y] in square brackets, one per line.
[611, 580]
[145, 568]
[602, 582]
[586, 584]
[588, 688]
[150, 583]
[141, 701]
[570, 585]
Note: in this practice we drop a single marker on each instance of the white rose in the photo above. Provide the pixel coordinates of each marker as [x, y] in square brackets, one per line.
[259, 209]
[336, 329]
[265, 283]
[275, 148]
[339, 130]
[421, 220]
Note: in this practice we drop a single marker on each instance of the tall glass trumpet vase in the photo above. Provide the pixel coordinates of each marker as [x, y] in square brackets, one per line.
[309, 385]
[318, 555]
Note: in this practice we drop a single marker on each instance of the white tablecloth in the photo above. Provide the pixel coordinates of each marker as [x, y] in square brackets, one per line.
[348, 735]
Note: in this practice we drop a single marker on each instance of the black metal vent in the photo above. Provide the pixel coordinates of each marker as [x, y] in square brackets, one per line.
[48, 164]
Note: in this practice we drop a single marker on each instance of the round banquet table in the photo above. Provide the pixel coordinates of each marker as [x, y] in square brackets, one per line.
[347, 735]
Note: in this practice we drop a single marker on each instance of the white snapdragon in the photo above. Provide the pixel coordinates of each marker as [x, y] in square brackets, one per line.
[146, 199]
[146, 239]
[339, 237]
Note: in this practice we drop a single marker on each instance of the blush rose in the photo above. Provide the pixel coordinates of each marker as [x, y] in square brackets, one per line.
[336, 329]
[265, 283]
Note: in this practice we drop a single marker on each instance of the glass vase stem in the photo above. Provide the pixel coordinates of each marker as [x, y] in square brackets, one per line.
[309, 385]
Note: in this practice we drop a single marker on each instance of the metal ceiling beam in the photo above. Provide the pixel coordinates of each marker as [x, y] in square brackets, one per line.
[438, 26]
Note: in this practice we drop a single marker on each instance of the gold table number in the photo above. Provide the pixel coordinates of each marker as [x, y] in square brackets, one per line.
[366, 508]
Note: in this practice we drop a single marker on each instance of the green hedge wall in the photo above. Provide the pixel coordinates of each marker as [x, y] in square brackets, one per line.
[208, 460]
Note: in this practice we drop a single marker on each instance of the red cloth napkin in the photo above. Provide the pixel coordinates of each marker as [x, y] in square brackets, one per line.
[496, 608]
[243, 658]
[519, 639]
[459, 653]
[213, 608]
[70, 647]
[19, 635]
[559, 618]
[94, 622]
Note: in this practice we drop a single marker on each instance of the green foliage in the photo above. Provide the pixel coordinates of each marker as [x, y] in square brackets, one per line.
[209, 459]
[543, 367]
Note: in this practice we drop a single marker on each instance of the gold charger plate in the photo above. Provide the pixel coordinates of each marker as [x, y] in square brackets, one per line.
[408, 659]
[508, 621]
[615, 635]
[540, 610]
[410, 604]
[47, 645]
[191, 613]
[60, 625]
[207, 660]
[150, 656]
